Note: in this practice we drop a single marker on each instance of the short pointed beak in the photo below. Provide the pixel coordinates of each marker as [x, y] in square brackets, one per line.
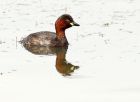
[74, 24]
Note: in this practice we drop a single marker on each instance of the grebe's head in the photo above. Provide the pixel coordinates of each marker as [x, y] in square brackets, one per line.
[65, 21]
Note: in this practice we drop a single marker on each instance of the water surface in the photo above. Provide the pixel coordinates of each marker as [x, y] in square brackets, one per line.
[101, 64]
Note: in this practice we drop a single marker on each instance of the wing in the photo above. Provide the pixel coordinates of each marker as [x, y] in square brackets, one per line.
[42, 38]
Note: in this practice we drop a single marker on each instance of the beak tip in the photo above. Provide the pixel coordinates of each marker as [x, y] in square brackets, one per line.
[76, 24]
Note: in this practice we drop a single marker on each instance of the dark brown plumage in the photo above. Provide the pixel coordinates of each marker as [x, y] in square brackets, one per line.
[47, 38]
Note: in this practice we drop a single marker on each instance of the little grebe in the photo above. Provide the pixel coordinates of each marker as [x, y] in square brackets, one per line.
[47, 38]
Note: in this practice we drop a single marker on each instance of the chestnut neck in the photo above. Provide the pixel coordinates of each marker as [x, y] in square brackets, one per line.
[60, 33]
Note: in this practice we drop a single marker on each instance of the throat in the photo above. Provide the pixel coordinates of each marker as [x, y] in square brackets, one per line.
[60, 34]
[61, 38]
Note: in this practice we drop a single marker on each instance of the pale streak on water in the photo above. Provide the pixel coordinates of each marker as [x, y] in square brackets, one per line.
[106, 47]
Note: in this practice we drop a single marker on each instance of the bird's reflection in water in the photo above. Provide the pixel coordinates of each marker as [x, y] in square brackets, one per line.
[62, 66]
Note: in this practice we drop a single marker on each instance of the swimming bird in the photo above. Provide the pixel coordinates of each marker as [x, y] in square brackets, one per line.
[52, 39]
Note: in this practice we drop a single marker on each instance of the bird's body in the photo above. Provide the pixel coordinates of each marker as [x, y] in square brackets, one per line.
[44, 38]
[47, 38]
